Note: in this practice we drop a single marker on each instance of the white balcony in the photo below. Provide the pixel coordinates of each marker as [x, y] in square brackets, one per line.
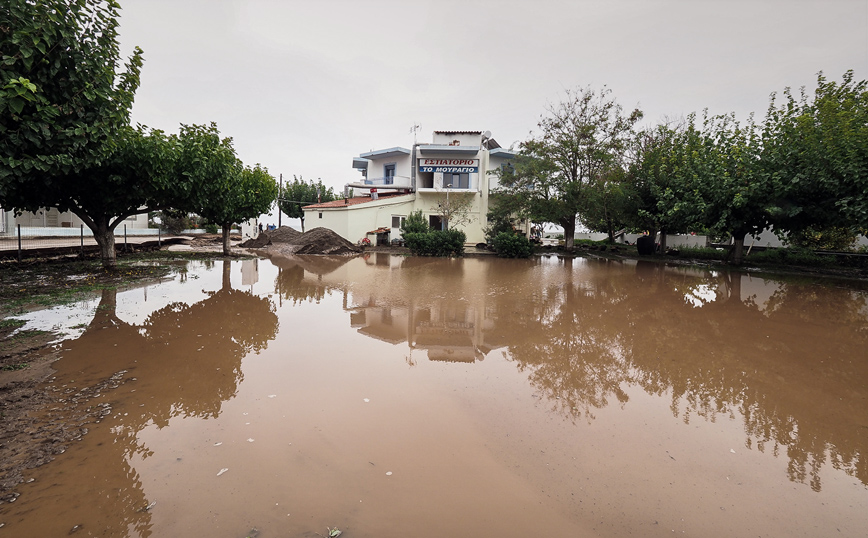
[394, 182]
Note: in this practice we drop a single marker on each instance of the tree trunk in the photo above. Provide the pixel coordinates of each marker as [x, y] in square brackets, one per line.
[662, 240]
[226, 251]
[227, 273]
[738, 247]
[105, 238]
[569, 225]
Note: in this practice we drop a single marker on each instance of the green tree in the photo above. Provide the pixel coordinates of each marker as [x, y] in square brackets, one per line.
[608, 203]
[580, 139]
[245, 195]
[214, 183]
[415, 223]
[137, 176]
[63, 99]
[816, 151]
[294, 196]
[738, 193]
[527, 191]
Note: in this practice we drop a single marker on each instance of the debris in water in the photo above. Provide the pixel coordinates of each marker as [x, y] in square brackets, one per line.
[272, 395]
[223, 470]
[218, 444]
[334, 533]
[367, 400]
[731, 450]
[250, 440]
[388, 473]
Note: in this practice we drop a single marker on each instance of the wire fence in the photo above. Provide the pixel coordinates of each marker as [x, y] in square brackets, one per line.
[29, 241]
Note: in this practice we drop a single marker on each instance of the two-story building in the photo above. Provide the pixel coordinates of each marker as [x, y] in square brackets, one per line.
[451, 175]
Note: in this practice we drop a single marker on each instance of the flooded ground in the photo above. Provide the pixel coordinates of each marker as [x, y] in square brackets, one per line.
[392, 396]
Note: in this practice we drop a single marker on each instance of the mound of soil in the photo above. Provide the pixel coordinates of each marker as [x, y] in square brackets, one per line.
[316, 241]
[260, 241]
[284, 234]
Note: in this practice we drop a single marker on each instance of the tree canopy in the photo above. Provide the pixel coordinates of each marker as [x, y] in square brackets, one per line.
[63, 97]
[580, 140]
[65, 138]
[294, 196]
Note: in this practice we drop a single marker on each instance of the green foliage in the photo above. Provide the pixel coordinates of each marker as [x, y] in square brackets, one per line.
[791, 256]
[512, 245]
[443, 243]
[415, 223]
[211, 228]
[503, 216]
[817, 153]
[299, 193]
[609, 202]
[580, 140]
[837, 239]
[63, 99]
[216, 185]
[175, 221]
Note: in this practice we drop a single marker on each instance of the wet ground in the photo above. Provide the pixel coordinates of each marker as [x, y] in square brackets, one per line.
[392, 396]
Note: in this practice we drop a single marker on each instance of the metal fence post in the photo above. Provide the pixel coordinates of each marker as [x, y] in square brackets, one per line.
[19, 242]
[81, 249]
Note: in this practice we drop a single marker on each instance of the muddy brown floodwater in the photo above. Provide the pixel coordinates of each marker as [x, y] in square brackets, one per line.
[392, 396]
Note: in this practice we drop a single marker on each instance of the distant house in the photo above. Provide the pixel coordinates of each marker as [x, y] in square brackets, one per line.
[398, 181]
[50, 219]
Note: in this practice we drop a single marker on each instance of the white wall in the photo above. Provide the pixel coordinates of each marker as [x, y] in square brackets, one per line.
[353, 222]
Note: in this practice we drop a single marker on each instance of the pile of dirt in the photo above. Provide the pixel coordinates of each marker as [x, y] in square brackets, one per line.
[260, 241]
[316, 241]
[284, 234]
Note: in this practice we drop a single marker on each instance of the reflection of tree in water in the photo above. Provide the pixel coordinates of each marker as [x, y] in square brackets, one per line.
[291, 283]
[586, 342]
[188, 362]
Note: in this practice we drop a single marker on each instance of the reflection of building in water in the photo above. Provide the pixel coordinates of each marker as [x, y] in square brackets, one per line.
[249, 272]
[448, 331]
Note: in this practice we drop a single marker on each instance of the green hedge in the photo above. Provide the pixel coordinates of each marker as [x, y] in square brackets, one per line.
[511, 245]
[446, 243]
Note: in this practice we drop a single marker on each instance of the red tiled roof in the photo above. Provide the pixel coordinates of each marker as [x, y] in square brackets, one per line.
[337, 204]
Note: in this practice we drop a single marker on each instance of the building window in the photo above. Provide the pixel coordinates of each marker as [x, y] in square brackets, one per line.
[389, 174]
[398, 221]
[320, 215]
[458, 181]
[436, 222]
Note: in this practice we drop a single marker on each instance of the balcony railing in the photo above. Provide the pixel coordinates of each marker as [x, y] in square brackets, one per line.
[388, 180]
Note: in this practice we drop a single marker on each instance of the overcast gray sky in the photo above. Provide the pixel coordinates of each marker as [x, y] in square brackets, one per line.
[303, 87]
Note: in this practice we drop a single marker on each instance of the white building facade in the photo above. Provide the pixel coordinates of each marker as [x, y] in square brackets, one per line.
[455, 169]
[50, 221]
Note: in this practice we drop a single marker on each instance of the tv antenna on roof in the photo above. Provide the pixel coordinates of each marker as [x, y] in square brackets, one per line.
[413, 130]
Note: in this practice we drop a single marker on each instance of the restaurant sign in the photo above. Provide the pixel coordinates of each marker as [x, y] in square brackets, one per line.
[453, 166]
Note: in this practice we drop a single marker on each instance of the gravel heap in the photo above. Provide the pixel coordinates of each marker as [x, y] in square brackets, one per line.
[284, 234]
[288, 241]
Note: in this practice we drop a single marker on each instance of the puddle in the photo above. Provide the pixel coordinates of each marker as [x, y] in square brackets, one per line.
[387, 396]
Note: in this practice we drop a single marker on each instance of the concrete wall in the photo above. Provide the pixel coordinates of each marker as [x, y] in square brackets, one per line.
[353, 222]
[52, 218]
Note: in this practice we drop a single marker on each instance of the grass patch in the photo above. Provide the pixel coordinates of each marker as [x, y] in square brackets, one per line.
[790, 256]
[10, 324]
[701, 253]
[13, 367]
